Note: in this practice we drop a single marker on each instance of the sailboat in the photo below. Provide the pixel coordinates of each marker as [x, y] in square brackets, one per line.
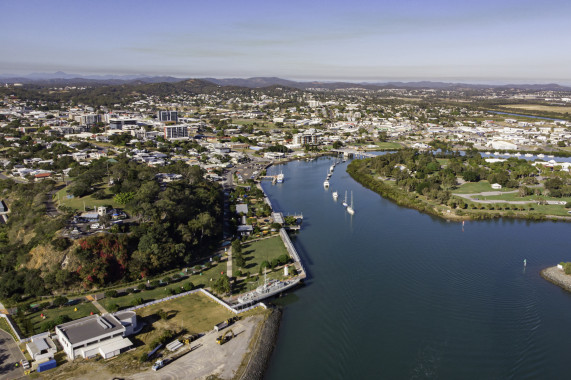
[345, 201]
[335, 195]
[350, 208]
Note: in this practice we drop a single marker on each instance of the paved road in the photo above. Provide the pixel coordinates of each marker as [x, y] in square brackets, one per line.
[474, 197]
[9, 355]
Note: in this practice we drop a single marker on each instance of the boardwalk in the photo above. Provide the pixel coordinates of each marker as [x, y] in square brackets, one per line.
[353, 152]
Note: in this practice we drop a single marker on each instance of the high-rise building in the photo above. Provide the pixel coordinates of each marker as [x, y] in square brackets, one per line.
[176, 132]
[168, 116]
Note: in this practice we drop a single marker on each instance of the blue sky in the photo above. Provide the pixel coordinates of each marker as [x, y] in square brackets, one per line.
[473, 41]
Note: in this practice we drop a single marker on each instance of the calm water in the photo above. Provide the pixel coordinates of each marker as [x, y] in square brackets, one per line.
[522, 115]
[395, 294]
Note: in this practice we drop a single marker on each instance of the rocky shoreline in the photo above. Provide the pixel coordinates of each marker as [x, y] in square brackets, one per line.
[557, 277]
[263, 349]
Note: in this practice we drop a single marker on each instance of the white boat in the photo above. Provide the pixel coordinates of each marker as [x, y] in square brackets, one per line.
[528, 155]
[331, 168]
[335, 195]
[488, 153]
[280, 178]
[496, 153]
[551, 156]
[517, 154]
[326, 183]
[540, 155]
[350, 209]
[345, 201]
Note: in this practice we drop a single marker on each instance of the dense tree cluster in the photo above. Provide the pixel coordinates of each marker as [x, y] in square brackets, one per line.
[171, 225]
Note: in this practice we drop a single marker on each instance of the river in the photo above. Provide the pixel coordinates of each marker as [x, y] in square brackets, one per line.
[396, 294]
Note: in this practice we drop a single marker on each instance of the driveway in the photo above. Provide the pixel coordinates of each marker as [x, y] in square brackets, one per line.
[9, 355]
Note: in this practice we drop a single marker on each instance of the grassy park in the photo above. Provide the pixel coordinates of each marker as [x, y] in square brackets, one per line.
[475, 187]
[259, 251]
[203, 278]
[78, 203]
[74, 312]
[195, 313]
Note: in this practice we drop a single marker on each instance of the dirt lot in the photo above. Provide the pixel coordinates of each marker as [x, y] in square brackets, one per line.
[207, 357]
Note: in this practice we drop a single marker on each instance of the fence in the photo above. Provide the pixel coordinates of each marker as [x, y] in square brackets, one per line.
[205, 292]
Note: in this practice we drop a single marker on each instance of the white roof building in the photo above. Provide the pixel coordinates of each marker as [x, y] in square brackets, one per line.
[104, 335]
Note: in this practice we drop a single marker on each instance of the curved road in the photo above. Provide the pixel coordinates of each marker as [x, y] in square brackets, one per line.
[471, 198]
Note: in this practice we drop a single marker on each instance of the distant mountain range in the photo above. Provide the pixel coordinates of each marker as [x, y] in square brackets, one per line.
[61, 78]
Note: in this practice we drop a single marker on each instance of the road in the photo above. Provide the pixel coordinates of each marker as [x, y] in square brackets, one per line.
[51, 208]
[207, 357]
[475, 197]
[9, 355]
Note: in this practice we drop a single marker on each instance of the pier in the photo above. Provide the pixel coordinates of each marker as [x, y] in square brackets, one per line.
[273, 178]
[353, 152]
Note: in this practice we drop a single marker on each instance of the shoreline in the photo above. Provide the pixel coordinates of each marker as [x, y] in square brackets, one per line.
[259, 358]
[557, 277]
[452, 215]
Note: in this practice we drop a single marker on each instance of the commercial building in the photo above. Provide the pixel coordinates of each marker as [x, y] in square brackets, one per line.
[97, 335]
[120, 124]
[88, 119]
[305, 139]
[176, 132]
[168, 116]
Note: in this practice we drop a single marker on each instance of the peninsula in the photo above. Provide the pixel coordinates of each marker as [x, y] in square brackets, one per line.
[468, 186]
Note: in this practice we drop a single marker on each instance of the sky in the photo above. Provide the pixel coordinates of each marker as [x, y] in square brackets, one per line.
[484, 41]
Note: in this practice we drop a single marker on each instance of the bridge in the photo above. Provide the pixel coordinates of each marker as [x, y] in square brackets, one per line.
[353, 152]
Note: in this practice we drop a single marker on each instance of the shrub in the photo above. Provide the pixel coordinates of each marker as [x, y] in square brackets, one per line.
[155, 283]
[162, 314]
[113, 307]
[142, 286]
[188, 286]
[283, 259]
[137, 301]
[111, 294]
[166, 280]
[60, 301]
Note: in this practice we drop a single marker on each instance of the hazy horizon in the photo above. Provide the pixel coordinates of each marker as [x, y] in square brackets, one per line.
[488, 42]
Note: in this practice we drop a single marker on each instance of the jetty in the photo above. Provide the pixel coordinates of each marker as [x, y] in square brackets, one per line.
[353, 153]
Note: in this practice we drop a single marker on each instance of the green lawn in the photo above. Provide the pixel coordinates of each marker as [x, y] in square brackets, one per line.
[205, 279]
[476, 187]
[389, 145]
[196, 313]
[83, 309]
[262, 124]
[6, 327]
[262, 250]
[78, 202]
